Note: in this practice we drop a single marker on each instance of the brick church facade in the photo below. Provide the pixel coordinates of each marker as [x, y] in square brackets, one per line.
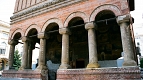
[76, 34]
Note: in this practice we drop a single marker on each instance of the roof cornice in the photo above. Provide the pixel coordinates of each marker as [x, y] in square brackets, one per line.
[41, 8]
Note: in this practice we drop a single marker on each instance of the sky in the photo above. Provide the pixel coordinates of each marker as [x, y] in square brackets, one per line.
[137, 14]
[7, 9]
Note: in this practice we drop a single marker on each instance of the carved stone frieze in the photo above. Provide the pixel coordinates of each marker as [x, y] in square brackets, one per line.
[41, 8]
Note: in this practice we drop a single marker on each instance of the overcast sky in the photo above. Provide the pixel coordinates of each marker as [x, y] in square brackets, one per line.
[7, 9]
[137, 14]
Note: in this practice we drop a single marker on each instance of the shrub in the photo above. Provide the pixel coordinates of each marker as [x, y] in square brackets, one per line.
[17, 60]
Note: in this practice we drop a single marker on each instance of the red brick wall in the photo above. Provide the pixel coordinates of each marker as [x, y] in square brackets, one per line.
[87, 7]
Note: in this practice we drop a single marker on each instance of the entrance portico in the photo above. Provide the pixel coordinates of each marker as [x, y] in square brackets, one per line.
[74, 37]
[129, 64]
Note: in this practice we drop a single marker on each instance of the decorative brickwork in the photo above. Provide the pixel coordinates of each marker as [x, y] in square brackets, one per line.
[64, 12]
[26, 74]
[130, 73]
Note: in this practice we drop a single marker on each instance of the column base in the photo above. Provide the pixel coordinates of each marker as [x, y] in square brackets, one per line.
[129, 63]
[93, 65]
[41, 67]
[65, 66]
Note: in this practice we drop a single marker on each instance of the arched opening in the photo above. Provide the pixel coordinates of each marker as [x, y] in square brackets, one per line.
[32, 47]
[54, 43]
[16, 38]
[53, 49]
[109, 45]
[78, 44]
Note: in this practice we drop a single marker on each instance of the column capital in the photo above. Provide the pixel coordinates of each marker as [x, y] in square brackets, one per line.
[25, 38]
[12, 42]
[90, 25]
[43, 35]
[123, 18]
[64, 31]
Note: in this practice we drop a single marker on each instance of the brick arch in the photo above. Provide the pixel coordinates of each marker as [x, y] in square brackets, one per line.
[109, 7]
[52, 20]
[16, 31]
[76, 14]
[33, 26]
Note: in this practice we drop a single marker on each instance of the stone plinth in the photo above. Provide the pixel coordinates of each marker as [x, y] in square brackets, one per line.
[130, 73]
[28, 74]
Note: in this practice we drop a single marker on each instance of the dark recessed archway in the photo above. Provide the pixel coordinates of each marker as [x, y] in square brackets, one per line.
[32, 40]
[32, 34]
[109, 45]
[78, 43]
[17, 36]
[54, 43]
[53, 49]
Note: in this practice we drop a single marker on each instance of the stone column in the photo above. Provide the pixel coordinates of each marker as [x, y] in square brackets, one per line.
[25, 53]
[29, 55]
[42, 63]
[127, 43]
[65, 48]
[93, 58]
[12, 44]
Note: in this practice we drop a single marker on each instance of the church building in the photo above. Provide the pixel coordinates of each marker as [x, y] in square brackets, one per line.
[79, 39]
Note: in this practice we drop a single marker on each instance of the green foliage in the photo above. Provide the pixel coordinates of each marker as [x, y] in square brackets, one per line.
[141, 63]
[17, 60]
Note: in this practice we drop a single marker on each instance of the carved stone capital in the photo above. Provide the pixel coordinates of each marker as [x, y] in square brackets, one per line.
[64, 31]
[42, 35]
[24, 39]
[123, 18]
[89, 25]
[12, 42]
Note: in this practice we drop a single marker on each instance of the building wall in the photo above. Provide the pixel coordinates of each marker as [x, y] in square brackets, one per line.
[86, 7]
[138, 28]
[40, 17]
[4, 46]
[33, 20]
